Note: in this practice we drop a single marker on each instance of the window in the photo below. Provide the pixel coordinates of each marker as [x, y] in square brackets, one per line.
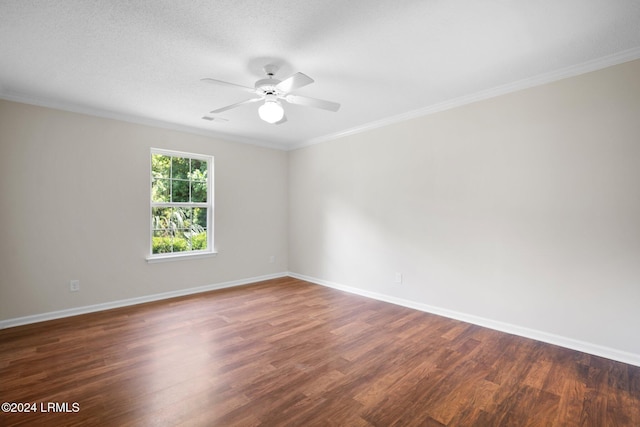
[181, 204]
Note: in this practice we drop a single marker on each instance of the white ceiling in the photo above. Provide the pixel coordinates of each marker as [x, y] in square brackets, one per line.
[383, 60]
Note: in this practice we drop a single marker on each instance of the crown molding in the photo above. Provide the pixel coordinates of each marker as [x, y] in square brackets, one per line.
[130, 118]
[541, 79]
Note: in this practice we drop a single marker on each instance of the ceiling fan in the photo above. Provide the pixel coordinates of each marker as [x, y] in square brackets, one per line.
[273, 91]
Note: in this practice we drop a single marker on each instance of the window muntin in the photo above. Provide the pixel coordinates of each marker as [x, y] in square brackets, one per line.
[181, 203]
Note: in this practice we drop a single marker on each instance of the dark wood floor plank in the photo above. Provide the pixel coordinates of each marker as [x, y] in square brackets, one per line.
[288, 353]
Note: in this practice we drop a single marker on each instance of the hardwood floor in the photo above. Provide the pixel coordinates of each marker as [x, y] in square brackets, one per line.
[288, 353]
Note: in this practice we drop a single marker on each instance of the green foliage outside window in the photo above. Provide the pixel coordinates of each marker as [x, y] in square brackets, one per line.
[178, 195]
[178, 179]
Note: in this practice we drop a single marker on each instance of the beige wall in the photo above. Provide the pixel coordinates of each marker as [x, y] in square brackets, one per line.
[75, 205]
[523, 209]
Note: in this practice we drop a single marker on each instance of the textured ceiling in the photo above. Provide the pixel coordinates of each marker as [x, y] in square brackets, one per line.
[382, 60]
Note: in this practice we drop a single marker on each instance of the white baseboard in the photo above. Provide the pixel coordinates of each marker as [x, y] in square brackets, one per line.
[132, 301]
[585, 347]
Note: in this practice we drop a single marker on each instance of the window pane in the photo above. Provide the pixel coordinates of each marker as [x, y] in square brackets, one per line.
[179, 191]
[199, 191]
[180, 167]
[161, 243]
[185, 216]
[160, 190]
[198, 170]
[176, 220]
[161, 218]
[160, 166]
[199, 219]
[199, 241]
[180, 244]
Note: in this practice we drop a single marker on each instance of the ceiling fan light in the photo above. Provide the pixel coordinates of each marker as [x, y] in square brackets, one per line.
[271, 111]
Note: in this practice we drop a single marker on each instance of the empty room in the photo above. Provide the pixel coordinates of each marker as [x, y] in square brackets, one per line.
[320, 213]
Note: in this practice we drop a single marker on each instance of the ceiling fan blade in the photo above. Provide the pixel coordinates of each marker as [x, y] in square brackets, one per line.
[294, 82]
[312, 102]
[220, 82]
[237, 104]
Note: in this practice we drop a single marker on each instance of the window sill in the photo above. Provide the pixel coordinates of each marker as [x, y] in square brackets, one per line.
[180, 256]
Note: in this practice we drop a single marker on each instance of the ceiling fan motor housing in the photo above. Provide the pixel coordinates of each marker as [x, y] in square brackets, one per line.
[267, 86]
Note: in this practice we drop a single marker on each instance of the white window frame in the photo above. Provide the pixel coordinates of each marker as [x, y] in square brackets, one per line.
[209, 205]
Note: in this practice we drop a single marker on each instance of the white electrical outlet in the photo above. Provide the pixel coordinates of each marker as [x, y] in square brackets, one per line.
[74, 286]
[272, 259]
[398, 278]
